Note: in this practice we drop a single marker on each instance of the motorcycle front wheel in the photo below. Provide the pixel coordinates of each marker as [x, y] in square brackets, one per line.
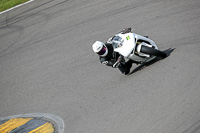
[151, 51]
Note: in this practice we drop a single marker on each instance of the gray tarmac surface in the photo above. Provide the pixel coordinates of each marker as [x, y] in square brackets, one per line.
[47, 65]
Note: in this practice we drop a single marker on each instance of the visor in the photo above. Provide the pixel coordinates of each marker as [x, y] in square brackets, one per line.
[102, 51]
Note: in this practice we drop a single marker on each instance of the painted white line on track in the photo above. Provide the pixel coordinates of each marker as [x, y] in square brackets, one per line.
[16, 6]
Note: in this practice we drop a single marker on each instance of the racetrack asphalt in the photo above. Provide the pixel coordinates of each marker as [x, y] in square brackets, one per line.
[47, 65]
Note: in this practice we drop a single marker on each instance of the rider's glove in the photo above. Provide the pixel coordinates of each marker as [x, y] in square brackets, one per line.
[127, 30]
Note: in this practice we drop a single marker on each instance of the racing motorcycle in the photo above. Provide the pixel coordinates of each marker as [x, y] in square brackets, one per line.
[138, 48]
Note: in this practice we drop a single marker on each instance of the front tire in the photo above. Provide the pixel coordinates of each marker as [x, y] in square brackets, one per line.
[151, 51]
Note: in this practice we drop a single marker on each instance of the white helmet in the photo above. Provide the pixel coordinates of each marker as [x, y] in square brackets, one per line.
[100, 48]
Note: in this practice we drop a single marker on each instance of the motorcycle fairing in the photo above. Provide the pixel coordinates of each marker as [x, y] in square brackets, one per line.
[125, 45]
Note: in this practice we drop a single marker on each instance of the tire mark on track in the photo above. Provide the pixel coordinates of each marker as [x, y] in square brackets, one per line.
[18, 18]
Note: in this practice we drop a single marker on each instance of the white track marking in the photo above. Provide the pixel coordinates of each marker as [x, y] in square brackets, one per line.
[16, 6]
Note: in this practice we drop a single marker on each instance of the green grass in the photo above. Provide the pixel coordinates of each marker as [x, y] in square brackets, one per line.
[6, 4]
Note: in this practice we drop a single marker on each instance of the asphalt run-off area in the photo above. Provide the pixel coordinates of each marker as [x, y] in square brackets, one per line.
[47, 66]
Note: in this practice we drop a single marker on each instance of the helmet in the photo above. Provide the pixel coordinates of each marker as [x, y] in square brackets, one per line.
[100, 48]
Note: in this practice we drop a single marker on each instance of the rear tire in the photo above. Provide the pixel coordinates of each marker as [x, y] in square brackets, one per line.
[151, 51]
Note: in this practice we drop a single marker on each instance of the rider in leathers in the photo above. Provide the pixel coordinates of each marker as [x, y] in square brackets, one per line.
[108, 57]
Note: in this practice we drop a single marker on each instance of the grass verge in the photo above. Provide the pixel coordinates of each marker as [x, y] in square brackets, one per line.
[6, 4]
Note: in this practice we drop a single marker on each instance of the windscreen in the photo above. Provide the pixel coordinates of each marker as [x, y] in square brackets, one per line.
[117, 42]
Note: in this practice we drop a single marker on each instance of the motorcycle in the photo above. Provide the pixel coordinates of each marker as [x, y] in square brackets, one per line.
[138, 48]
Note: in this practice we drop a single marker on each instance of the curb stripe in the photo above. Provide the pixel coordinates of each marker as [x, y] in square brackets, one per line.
[32, 123]
[16, 6]
[46, 128]
[29, 126]
[12, 124]
[1, 122]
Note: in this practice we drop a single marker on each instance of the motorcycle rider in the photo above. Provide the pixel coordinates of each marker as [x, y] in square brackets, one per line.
[108, 57]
